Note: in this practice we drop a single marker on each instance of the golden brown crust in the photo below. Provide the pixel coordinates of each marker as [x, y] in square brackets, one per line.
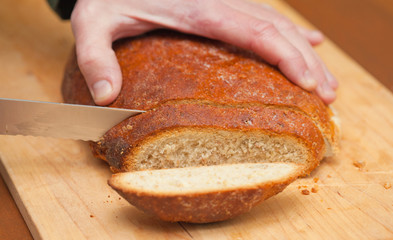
[202, 207]
[74, 88]
[122, 142]
[165, 66]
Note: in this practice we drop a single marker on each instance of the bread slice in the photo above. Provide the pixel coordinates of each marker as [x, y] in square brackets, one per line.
[203, 194]
[187, 135]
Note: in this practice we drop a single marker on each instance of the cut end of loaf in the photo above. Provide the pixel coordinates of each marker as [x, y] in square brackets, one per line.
[186, 135]
[203, 194]
[205, 147]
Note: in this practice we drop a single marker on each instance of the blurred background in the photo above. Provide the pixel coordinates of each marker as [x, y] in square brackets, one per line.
[362, 28]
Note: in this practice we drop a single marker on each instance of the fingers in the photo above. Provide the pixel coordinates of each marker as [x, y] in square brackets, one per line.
[252, 26]
[96, 59]
[301, 38]
[269, 34]
[314, 37]
[249, 32]
[96, 24]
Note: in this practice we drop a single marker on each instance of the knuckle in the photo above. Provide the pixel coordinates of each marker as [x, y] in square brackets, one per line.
[261, 31]
[76, 16]
[200, 14]
[208, 22]
[87, 59]
[284, 23]
[295, 56]
[292, 58]
[84, 10]
[261, 28]
[315, 65]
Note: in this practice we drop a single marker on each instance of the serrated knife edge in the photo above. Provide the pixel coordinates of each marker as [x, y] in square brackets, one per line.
[59, 120]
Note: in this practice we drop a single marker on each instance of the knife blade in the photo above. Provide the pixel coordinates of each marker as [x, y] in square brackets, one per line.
[59, 120]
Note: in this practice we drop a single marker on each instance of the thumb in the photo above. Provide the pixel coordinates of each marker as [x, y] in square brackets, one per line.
[97, 61]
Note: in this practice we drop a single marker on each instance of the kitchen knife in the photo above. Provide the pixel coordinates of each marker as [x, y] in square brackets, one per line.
[59, 120]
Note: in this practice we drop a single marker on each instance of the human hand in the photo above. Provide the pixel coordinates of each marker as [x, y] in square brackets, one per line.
[257, 27]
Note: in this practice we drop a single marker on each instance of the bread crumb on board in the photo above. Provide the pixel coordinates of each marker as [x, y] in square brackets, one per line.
[387, 185]
[305, 192]
[304, 189]
[359, 164]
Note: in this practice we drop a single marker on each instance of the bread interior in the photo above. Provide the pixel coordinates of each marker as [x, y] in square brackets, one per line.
[181, 148]
[204, 179]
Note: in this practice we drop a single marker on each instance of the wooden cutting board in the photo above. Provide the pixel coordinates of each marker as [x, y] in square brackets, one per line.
[61, 189]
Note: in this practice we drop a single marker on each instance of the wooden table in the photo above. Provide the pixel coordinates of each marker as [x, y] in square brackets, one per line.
[61, 191]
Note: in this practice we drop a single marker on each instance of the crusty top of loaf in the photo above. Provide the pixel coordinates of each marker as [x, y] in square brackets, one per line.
[165, 66]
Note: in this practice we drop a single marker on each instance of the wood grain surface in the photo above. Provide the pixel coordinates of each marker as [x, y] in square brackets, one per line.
[61, 189]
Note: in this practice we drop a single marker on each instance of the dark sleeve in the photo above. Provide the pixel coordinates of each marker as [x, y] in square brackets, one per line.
[63, 8]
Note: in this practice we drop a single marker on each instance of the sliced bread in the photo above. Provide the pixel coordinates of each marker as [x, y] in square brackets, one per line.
[203, 194]
[166, 68]
[222, 130]
[186, 135]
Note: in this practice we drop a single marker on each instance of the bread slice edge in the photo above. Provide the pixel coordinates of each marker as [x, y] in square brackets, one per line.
[201, 206]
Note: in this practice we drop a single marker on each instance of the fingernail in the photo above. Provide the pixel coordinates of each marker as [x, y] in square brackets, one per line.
[101, 90]
[308, 82]
[316, 34]
[328, 92]
[332, 80]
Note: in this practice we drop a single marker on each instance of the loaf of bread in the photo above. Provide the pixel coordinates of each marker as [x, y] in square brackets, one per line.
[207, 103]
[203, 194]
